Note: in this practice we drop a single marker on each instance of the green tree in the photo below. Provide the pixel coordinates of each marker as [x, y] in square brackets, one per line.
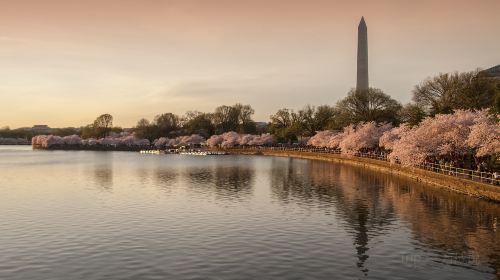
[165, 125]
[286, 125]
[446, 92]
[306, 124]
[88, 131]
[324, 117]
[64, 131]
[7, 132]
[102, 125]
[143, 129]
[245, 122]
[411, 114]
[249, 127]
[313, 119]
[198, 123]
[496, 101]
[477, 91]
[366, 105]
[234, 118]
[225, 118]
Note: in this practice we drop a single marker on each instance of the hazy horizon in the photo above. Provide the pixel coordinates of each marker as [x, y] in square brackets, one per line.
[62, 63]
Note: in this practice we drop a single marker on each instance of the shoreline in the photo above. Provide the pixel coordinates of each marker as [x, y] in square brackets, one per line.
[453, 184]
[479, 190]
[92, 148]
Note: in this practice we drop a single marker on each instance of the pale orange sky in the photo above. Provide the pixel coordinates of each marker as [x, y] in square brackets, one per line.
[64, 62]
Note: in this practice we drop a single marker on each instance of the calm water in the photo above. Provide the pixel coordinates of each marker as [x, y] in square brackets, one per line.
[119, 215]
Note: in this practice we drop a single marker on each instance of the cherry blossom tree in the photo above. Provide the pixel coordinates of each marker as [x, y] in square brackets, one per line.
[261, 140]
[390, 137]
[451, 135]
[72, 140]
[245, 139]
[215, 140]
[352, 139]
[484, 137]
[321, 138]
[362, 136]
[231, 139]
[48, 141]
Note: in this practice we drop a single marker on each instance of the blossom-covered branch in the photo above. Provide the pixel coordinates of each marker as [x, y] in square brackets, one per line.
[461, 133]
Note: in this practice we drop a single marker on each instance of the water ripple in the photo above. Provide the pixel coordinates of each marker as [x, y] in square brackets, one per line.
[92, 215]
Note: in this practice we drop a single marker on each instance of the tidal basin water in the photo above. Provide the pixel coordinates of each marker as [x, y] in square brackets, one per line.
[125, 215]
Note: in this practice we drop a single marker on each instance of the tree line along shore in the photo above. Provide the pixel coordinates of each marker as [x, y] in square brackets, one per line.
[453, 117]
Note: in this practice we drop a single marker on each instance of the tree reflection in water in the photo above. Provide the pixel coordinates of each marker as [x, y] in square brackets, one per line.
[101, 170]
[166, 178]
[371, 202]
[227, 182]
[234, 181]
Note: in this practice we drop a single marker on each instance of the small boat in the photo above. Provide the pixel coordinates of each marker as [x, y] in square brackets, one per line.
[154, 152]
[194, 153]
[203, 153]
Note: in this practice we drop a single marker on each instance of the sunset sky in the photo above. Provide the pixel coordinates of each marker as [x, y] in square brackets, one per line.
[63, 62]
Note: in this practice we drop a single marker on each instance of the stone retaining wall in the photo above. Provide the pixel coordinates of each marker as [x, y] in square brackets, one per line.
[476, 189]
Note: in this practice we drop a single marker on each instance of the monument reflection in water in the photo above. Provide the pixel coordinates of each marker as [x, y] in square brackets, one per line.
[372, 204]
[94, 215]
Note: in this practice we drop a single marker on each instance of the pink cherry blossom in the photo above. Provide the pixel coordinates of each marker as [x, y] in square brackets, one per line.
[460, 133]
[321, 138]
[215, 140]
[362, 136]
[390, 137]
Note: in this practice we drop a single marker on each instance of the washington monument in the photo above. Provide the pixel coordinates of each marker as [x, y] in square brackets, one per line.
[362, 81]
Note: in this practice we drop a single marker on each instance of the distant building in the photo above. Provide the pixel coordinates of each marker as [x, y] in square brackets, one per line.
[40, 126]
[493, 72]
[41, 129]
